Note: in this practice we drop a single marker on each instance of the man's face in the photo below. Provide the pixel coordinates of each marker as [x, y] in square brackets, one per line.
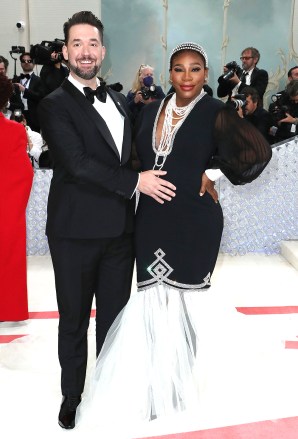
[84, 52]
[250, 106]
[294, 100]
[27, 64]
[248, 61]
[294, 74]
[2, 69]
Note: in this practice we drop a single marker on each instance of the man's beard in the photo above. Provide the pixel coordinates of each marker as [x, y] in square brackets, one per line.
[83, 73]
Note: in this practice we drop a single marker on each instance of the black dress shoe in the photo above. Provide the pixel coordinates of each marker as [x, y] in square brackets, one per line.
[67, 414]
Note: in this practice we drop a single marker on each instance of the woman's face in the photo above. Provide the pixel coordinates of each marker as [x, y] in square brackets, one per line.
[188, 75]
[144, 73]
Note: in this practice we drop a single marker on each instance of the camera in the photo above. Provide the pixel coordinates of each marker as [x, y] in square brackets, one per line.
[149, 89]
[233, 68]
[41, 53]
[238, 101]
[17, 49]
[279, 107]
[18, 115]
[20, 25]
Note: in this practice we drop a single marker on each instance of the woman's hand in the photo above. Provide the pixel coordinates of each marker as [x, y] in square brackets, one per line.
[208, 185]
[138, 97]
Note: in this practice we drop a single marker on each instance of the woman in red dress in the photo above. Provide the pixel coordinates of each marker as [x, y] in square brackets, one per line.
[16, 177]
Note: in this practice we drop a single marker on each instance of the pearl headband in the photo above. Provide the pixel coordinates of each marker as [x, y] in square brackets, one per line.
[189, 46]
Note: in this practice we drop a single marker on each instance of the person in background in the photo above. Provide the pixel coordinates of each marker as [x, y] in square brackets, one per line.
[256, 114]
[15, 185]
[3, 65]
[15, 101]
[293, 73]
[29, 85]
[143, 90]
[35, 140]
[53, 74]
[284, 111]
[239, 78]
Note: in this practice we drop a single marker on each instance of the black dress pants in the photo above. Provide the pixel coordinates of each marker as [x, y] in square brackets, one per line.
[85, 268]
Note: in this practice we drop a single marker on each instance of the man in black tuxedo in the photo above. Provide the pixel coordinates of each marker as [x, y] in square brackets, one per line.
[90, 206]
[29, 85]
[249, 75]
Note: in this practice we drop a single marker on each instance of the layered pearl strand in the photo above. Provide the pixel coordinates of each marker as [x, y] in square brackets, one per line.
[169, 129]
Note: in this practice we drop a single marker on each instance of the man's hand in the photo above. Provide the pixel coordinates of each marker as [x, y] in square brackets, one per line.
[157, 188]
[287, 119]
[208, 185]
[21, 87]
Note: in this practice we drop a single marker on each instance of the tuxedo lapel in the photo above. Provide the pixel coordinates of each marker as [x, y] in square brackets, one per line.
[91, 113]
[254, 74]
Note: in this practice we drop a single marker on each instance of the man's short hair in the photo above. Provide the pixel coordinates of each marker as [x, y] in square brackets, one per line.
[25, 54]
[254, 53]
[5, 61]
[290, 71]
[83, 17]
[292, 88]
[6, 90]
[252, 92]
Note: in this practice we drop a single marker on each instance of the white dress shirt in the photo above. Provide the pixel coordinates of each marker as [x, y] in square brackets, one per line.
[25, 82]
[109, 112]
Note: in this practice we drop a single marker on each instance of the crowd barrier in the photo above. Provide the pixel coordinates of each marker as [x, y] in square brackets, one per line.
[257, 216]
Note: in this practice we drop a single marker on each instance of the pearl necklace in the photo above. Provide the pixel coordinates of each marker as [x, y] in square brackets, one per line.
[169, 129]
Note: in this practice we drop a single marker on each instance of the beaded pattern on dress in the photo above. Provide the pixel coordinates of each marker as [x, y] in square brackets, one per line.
[160, 271]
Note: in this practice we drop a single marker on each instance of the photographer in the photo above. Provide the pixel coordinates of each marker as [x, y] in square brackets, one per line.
[53, 72]
[235, 79]
[252, 111]
[52, 75]
[29, 86]
[35, 141]
[143, 90]
[284, 110]
[15, 101]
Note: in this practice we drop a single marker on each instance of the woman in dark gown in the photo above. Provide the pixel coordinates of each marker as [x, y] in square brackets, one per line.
[150, 365]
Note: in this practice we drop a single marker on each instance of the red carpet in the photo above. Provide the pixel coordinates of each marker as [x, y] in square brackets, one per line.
[50, 314]
[9, 338]
[258, 310]
[277, 429]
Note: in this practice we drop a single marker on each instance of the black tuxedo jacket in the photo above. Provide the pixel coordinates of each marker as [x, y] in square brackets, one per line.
[33, 95]
[259, 81]
[91, 188]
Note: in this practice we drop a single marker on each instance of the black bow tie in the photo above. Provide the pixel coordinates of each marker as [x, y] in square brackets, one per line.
[100, 93]
[27, 76]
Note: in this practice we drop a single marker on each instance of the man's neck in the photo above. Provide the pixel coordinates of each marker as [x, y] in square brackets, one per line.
[92, 83]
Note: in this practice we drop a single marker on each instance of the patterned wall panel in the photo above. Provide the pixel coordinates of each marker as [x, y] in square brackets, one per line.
[258, 216]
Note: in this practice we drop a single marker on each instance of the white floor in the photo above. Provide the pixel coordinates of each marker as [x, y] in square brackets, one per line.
[245, 281]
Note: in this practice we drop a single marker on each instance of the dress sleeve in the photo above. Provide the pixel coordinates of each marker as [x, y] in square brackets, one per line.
[242, 152]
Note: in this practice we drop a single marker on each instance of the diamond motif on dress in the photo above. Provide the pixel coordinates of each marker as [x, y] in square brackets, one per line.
[159, 269]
